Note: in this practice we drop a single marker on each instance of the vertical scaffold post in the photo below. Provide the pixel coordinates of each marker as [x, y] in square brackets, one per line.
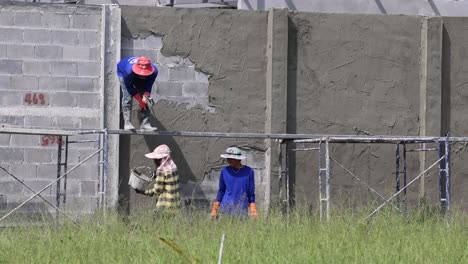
[405, 200]
[288, 202]
[65, 168]
[105, 166]
[442, 180]
[320, 179]
[447, 178]
[100, 201]
[397, 172]
[327, 175]
[280, 172]
[59, 168]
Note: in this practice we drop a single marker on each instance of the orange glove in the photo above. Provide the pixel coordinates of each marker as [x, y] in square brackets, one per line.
[140, 101]
[253, 210]
[214, 210]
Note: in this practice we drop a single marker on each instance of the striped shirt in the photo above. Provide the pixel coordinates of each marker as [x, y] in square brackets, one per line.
[166, 188]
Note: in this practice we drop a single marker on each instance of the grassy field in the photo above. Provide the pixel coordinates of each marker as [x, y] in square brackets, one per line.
[388, 238]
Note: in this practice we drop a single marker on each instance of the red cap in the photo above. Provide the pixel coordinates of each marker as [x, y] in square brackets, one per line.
[143, 67]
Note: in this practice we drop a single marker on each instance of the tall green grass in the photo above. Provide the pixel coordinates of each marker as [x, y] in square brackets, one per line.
[299, 238]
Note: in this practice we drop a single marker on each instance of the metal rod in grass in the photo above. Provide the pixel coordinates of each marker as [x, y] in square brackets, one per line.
[221, 247]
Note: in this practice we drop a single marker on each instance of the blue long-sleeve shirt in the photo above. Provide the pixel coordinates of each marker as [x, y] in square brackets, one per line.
[133, 81]
[236, 190]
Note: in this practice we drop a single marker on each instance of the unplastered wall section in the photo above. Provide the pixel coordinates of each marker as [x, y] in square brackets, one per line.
[50, 77]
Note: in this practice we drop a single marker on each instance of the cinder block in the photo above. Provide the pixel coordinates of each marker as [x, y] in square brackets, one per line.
[36, 67]
[86, 21]
[81, 84]
[38, 185]
[11, 67]
[201, 77]
[151, 54]
[152, 42]
[11, 35]
[88, 100]
[73, 186]
[90, 123]
[80, 205]
[11, 120]
[66, 122]
[23, 170]
[8, 98]
[4, 82]
[76, 53]
[47, 171]
[37, 36]
[88, 188]
[3, 50]
[89, 69]
[126, 52]
[65, 68]
[182, 74]
[11, 187]
[130, 43]
[163, 73]
[18, 140]
[64, 99]
[6, 18]
[5, 139]
[14, 155]
[49, 52]
[169, 88]
[194, 89]
[86, 171]
[53, 20]
[37, 155]
[170, 62]
[28, 19]
[65, 37]
[95, 54]
[90, 38]
[38, 121]
[53, 83]
[22, 82]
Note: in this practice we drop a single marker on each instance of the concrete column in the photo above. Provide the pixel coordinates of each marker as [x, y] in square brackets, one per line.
[430, 85]
[276, 90]
[111, 55]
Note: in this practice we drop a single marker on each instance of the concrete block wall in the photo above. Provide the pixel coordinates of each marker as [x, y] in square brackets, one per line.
[50, 77]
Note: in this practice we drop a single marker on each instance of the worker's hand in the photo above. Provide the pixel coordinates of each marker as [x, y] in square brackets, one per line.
[253, 211]
[139, 98]
[215, 209]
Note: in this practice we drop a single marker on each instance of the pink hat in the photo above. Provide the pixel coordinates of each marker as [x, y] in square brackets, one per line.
[159, 152]
[143, 67]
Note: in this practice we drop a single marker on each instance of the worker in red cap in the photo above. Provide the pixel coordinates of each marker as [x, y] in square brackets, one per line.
[136, 76]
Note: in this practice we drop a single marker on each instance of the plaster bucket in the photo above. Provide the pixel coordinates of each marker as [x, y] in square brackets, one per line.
[139, 177]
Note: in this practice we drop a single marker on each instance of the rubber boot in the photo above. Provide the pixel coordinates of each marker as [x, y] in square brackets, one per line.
[145, 124]
[127, 124]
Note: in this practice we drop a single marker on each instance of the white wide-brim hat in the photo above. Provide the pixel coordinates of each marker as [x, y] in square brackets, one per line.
[233, 153]
[159, 152]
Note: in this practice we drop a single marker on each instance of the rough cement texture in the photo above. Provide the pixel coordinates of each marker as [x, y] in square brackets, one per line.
[352, 74]
[413, 7]
[236, 65]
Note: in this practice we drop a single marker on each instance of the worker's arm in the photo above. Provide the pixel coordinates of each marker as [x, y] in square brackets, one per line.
[219, 197]
[158, 185]
[251, 195]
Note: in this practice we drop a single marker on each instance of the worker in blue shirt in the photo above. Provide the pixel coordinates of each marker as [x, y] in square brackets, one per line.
[136, 76]
[236, 193]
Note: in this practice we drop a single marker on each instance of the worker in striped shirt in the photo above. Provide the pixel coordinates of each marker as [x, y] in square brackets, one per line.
[166, 184]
